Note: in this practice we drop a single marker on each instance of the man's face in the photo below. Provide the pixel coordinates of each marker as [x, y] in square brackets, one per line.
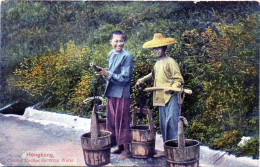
[117, 42]
[158, 52]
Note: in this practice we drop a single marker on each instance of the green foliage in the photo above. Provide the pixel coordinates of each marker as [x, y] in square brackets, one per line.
[56, 74]
[197, 130]
[99, 54]
[251, 148]
[230, 92]
[227, 141]
[141, 70]
[220, 65]
[81, 91]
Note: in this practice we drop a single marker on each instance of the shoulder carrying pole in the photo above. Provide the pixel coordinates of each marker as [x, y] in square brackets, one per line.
[188, 91]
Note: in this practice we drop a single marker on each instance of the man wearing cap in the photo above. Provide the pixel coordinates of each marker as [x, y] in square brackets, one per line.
[166, 73]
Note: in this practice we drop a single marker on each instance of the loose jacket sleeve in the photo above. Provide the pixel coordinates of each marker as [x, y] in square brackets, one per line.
[122, 74]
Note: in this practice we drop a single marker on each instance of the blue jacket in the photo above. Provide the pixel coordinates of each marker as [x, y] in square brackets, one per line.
[120, 74]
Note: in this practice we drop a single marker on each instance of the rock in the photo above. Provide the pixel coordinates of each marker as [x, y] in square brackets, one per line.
[243, 141]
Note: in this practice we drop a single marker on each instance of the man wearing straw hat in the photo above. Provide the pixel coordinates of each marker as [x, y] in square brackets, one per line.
[166, 73]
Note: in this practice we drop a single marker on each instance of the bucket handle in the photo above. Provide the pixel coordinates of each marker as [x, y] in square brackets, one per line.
[94, 129]
[146, 111]
[181, 136]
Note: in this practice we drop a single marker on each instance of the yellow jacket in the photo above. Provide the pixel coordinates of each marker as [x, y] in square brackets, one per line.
[166, 73]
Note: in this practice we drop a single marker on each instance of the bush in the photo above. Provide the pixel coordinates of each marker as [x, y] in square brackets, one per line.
[196, 130]
[251, 148]
[227, 141]
[56, 75]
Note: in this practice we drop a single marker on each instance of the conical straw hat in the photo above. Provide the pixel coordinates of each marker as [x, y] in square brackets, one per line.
[158, 41]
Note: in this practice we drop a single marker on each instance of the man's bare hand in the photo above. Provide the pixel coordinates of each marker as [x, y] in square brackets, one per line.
[102, 72]
[137, 85]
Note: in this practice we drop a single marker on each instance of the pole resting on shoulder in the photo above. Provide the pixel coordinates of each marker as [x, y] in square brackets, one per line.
[188, 91]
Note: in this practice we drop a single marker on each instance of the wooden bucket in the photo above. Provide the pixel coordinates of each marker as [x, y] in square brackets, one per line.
[182, 152]
[100, 153]
[143, 137]
[96, 144]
